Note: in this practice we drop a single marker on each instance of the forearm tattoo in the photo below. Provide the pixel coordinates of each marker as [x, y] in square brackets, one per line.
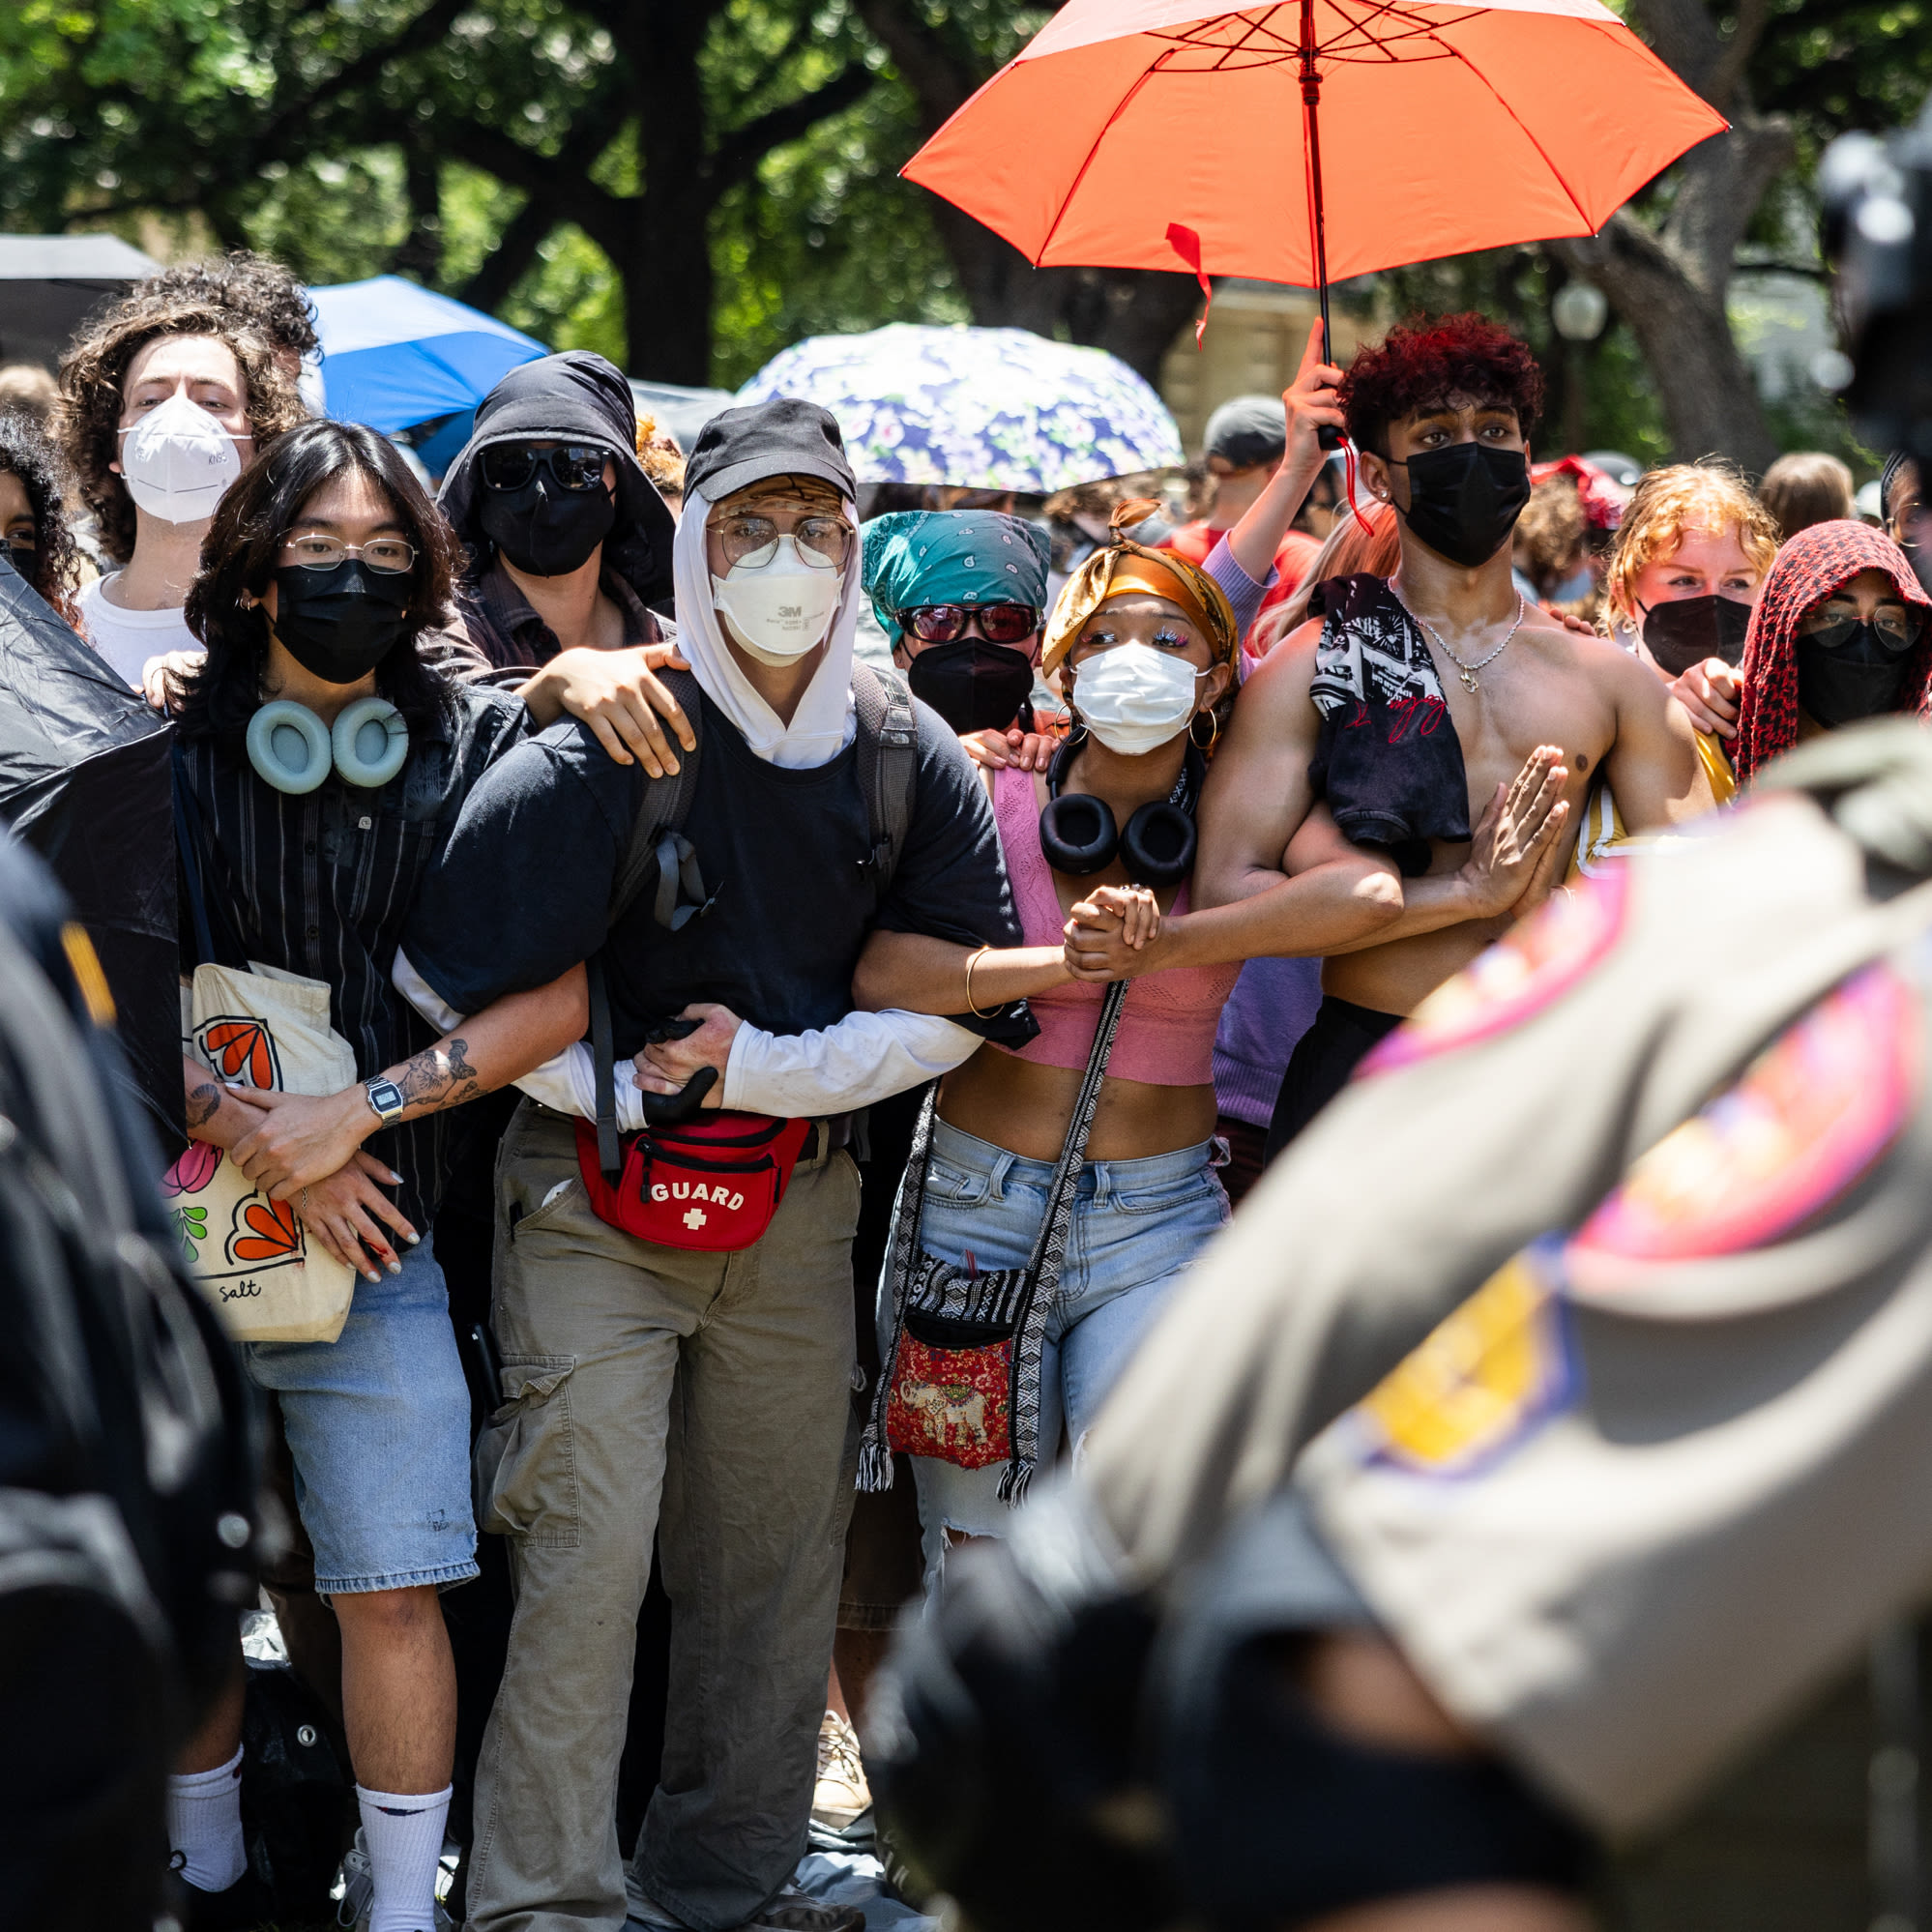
[204, 1102]
[441, 1077]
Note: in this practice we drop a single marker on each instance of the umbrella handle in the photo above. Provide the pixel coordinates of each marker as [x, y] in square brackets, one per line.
[1327, 437]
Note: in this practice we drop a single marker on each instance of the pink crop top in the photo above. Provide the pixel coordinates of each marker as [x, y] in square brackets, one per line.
[1166, 1037]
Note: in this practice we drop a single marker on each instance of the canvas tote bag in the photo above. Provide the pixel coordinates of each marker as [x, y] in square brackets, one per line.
[268, 1029]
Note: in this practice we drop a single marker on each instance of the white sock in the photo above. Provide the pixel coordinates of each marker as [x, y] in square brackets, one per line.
[204, 1824]
[404, 1838]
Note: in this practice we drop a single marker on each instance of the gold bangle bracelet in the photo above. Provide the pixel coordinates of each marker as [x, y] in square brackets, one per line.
[972, 962]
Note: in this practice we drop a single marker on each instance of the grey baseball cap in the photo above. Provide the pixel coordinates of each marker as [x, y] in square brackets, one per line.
[1248, 431]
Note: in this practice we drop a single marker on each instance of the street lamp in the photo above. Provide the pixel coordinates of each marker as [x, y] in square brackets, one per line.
[1579, 311]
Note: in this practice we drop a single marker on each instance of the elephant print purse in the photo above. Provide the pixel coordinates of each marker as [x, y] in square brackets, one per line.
[960, 1379]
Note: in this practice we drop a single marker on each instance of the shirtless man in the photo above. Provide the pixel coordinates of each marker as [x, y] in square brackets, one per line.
[1442, 413]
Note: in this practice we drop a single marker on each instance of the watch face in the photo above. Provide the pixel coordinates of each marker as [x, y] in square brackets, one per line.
[385, 1097]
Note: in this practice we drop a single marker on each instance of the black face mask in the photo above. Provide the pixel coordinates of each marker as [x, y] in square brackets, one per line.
[1691, 628]
[971, 684]
[1465, 500]
[339, 624]
[21, 557]
[544, 531]
[1848, 672]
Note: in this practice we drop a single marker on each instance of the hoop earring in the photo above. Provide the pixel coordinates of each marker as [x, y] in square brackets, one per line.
[1063, 722]
[1214, 732]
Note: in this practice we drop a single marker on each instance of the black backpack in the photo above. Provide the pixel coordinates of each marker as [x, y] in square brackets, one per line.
[662, 858]
[127, 1454]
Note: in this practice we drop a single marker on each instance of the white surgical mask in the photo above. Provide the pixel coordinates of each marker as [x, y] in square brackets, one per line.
[1134, 698]
[178, 461]
[780, 610]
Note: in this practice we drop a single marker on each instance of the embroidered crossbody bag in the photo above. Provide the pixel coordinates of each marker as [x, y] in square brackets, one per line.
[960, 1381]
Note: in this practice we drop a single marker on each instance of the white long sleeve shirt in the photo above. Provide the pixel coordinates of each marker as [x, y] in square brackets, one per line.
[864, 1057]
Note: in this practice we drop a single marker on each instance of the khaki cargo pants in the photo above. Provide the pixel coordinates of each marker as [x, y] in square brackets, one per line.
[707, 1398]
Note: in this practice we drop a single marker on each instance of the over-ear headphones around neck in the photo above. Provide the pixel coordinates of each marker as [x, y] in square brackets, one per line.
[292, 750]
[1079, 835]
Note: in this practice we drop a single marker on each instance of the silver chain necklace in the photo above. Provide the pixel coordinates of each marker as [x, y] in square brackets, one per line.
[1467, 672]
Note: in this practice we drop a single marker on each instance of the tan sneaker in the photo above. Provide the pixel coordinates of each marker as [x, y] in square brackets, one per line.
[841, 1794]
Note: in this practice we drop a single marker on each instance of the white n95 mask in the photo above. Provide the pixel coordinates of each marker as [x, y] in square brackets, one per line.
[178, 461]
[1134, 698]
[780, 610]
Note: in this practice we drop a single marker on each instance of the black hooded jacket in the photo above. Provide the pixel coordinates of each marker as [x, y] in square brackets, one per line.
[575, 397]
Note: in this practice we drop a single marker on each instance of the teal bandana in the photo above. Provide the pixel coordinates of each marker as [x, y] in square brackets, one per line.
[914, 557]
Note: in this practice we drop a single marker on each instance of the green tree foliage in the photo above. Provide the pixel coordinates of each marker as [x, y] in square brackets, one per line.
[688, 185]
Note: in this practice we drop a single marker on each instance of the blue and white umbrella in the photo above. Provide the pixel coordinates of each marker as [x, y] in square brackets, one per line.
[394, 354]
[980, 408]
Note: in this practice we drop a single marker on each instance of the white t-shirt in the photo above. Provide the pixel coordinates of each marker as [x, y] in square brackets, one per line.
[129, 638]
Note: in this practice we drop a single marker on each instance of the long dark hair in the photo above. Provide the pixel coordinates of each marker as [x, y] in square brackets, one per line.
[242, 549]
[28, 452]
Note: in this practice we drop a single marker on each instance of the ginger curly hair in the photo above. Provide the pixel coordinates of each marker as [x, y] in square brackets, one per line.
[88, 417]
[1670, 502]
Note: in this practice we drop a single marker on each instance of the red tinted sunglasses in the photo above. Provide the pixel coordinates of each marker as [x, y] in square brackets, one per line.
[945, 623]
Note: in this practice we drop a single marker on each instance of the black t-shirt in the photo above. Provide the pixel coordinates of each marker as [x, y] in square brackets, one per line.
[521, 891]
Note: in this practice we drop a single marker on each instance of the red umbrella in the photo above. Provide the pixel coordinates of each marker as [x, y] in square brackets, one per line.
[1148, 134]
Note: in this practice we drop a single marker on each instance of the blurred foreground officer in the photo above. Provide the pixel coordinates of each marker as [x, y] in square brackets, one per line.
[1511, 1512]
[127, 1482]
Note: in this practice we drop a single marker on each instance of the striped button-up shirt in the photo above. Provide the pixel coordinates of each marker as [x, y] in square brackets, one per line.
[322, 883]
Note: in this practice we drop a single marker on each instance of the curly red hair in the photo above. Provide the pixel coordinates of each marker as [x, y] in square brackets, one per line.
[1427, 360]
[1809, 568]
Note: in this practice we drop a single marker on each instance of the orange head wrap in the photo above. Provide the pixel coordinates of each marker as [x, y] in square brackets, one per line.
[1124, 566]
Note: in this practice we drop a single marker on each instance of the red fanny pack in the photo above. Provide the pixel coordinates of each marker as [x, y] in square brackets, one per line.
[713, 1183]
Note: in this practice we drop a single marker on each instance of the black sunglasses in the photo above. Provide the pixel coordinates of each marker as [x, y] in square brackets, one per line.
[945, 623]
[574, 466]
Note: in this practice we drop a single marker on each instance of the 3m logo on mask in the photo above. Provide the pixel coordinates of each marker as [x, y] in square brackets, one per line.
[716, 1193]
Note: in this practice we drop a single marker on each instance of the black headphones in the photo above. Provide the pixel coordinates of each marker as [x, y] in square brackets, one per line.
[1079, 836]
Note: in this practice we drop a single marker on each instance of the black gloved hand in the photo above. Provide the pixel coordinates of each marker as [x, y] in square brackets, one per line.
[1004, 1747]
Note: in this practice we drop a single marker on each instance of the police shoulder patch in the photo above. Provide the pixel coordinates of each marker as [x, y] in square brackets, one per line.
[1808, 1119]
[1485, 1377]
[1521, 973]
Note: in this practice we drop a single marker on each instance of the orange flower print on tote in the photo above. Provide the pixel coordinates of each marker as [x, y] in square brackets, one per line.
[266, 1232]
[241, 1049]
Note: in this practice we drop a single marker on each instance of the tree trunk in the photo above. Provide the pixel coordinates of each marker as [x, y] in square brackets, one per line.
[1710, 402]
[667, 288]
[1671, 283]
[660, 242]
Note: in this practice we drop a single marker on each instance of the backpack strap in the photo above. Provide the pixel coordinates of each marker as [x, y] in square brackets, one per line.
[887, 764]
[660, 857]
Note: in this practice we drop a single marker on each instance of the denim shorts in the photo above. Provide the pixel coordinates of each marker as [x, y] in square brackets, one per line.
[1137, 1226]
[378, 1426]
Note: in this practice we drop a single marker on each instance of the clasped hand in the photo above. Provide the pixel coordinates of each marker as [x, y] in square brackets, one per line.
[1111, 933]
[667, 1065]
[310, 1150]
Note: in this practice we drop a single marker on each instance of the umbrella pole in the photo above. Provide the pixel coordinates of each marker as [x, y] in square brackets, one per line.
[1311, 121]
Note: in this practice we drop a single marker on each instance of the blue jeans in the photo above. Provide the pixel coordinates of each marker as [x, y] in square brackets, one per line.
[379, 1425]
[1137, 1226]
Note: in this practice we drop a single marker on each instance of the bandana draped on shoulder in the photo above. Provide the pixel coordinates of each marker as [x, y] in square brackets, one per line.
[1809, 568]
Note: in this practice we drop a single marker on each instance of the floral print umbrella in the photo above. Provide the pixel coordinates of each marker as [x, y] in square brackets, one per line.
[980, 408]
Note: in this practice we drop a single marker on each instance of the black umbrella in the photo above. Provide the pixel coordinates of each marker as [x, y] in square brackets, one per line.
[49, 283]
[84, 780]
